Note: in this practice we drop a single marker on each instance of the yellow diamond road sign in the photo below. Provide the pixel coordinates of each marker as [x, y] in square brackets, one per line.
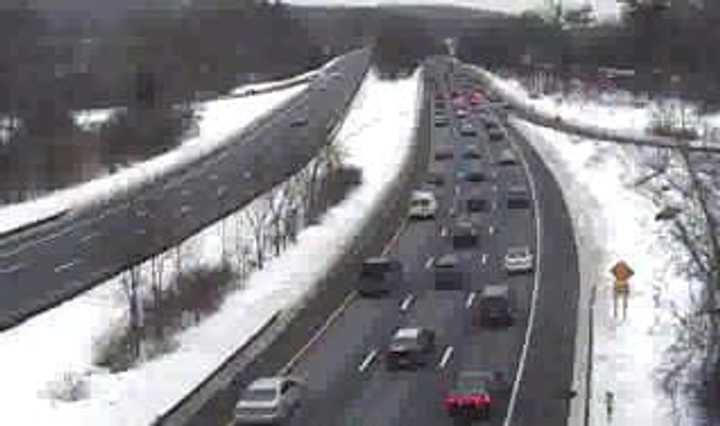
[622, 271]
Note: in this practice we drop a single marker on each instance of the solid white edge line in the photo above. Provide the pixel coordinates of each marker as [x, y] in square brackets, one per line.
[445, 357]
[470, 299]
[407, 302]
[368, 360]
[533, 299]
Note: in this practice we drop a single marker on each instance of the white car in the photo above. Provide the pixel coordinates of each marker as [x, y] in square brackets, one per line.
[268, 400]
[423, 205]
[519, 259]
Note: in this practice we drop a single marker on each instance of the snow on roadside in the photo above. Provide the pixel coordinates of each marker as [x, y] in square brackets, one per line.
[376, 136]
[614, 221]
[617, 112]
[219, 121]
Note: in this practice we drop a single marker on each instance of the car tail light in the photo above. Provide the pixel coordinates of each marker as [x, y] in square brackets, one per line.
[451, 403]
[480, 400]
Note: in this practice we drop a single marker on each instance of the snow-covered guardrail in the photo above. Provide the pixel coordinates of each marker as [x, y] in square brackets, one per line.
[543, 118]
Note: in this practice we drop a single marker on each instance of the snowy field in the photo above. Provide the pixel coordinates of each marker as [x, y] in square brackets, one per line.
[376, 136]
[615, 221]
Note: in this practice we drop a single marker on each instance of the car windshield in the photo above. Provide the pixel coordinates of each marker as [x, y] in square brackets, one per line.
[421, 202]
[375, 269]
[518, 252]
[259, 395]
[405, 342]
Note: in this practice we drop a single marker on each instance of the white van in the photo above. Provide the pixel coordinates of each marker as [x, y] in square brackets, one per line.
[423, 205]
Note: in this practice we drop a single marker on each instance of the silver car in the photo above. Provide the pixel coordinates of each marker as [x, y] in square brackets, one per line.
[519, 259]
[268, 400]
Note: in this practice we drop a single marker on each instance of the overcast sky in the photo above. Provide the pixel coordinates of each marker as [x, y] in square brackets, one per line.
[605, 8]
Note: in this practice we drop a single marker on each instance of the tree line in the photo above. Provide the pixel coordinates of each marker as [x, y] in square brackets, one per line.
[670, 45]
[152, 62]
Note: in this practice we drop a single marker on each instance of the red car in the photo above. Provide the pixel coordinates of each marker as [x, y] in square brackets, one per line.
[470, 398]
[477, 97]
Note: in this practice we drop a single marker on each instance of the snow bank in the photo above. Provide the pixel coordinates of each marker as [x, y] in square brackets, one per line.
[613, 221]
[376, 136]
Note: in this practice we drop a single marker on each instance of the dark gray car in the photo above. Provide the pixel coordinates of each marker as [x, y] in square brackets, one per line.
[379, 275]
[448, 271]
[495, 306]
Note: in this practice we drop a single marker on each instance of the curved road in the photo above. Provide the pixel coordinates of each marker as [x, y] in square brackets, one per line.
[45, 265]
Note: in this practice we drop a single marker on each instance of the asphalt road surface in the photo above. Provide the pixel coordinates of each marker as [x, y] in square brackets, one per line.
[45, 265]
[347, 383]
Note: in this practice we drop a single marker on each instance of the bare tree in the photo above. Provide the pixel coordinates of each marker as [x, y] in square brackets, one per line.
[256, 218]
[132, 283]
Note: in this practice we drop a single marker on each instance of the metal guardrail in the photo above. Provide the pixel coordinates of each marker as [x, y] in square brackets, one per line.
[222, 376]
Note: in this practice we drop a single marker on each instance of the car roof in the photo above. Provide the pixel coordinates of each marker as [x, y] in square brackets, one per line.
[463, 223]
[378, 259]
[495, 290]
[448, 259]
[408, 333]
[422, 194]
[266, 383]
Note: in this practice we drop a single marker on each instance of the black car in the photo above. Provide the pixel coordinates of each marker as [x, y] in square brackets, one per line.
[464, 234]
[495, 306]
[435, 178]
[471, 152]
[476, 204]
[448, 272]
[473, 175]
[443, 153]
[496, 134]
[410, 348]
[299, 122]
[379, 275]
[491, 124]
[518, 197]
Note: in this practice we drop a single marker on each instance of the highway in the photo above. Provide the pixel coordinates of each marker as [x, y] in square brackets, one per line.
[343, 366]
[45, 265]
[375, 396]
